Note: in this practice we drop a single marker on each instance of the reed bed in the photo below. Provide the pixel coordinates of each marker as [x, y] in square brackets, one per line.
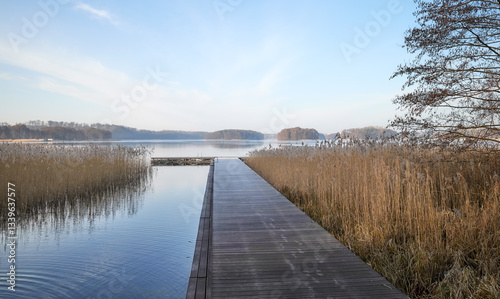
[428, 220]
[57, 182]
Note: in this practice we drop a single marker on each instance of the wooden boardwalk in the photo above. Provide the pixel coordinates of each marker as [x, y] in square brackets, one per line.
[180, 161]
[254, 243]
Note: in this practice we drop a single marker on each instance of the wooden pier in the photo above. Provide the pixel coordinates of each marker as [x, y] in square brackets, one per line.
[254, 243]
[181, 161]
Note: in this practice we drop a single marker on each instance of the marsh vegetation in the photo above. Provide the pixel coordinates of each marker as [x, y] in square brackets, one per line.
[425, 218]
[67, 181]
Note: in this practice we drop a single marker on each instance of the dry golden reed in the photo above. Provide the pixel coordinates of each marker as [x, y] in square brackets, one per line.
[63, 179]
[427, 220]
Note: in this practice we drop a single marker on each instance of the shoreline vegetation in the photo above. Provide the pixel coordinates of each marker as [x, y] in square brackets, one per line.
[235, 135]
[70, 131]
[298, 133]
[41, 131]
[427, 219]
[64, 181]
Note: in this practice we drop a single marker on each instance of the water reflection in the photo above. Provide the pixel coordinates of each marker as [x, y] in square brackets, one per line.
[134, 242]
[233, 144]
[131, 242]
[55, 216]
[200, 147]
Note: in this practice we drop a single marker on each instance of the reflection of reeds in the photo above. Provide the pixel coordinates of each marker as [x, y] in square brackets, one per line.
[58, 182]
[428, 221]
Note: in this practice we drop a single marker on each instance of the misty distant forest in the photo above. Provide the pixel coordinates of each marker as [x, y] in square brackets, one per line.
[76, 131]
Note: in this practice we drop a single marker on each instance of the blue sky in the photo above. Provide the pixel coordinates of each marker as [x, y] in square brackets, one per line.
[203, 65]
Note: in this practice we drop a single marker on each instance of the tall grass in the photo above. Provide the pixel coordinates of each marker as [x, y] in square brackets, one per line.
[427, 220]
[64, 180]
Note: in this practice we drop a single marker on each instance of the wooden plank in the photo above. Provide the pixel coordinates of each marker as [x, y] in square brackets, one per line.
[263, 246]
[191, 289]
[206, 229]
[197, 284]
[202, 271]
[196, 260]
[201, 227]
[201, 284]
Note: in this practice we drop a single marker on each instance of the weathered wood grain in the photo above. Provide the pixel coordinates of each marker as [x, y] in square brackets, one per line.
[260, 245]
[197, 285]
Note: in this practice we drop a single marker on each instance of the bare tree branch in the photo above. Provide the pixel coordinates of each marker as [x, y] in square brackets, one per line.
[456, 72]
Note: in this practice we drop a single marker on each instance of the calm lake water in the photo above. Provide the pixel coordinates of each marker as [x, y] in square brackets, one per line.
[139, 245]
[201, 148]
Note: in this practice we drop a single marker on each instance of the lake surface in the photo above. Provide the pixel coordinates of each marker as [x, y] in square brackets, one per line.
[200, 148]
[139, 245]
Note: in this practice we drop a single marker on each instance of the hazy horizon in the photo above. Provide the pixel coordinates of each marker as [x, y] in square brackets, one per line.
[207, 131]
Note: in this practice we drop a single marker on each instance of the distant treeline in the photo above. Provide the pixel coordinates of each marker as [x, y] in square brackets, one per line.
[77, 131]
[235, 134]
[21, 131]
[120, 132]
[124, 133]
[298, 134]
[367, 132]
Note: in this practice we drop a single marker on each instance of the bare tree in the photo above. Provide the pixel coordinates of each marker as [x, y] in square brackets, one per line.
[453, 83]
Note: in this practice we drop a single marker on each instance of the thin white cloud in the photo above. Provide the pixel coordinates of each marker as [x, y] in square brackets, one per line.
[89, 80]
[82, 73]
[98, 13]
[60, 87]
[265, 65]
[7, 76]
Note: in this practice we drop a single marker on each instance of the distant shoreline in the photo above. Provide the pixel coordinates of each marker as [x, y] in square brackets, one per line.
[125, 140]
[21, 140]
[50, 140]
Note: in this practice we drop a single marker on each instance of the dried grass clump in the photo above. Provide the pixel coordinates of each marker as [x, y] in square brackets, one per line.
[62, 180]
[428, 220]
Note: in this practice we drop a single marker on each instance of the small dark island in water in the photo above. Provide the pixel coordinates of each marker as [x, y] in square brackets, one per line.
[235, 135]
[298, 134]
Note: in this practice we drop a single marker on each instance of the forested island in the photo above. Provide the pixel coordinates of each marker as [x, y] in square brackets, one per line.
[235, 135]
[298, 133]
